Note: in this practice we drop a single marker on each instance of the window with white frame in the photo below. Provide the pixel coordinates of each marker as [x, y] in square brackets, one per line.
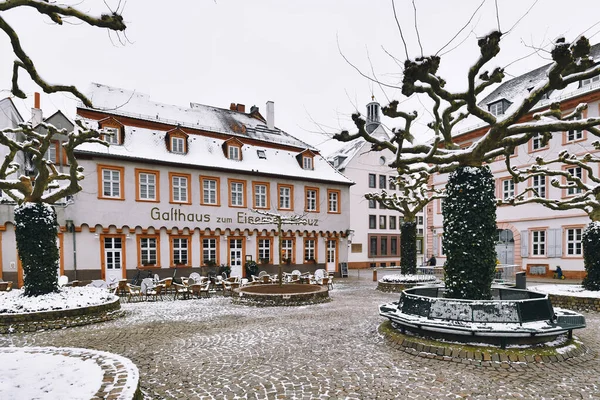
[574, 243]
[237, 194]
[260, 196]
[285, 197]
[209, 250]
[538, 184]
[179, 186]
[310, 246]
[372, 222]
[538, 243]
[574, 135]
[497, 108]
[287, 249]
[264, 250]
[508, 189]
[392, 222]
[307, 162]
[209, 191]
[111, 135]
[148, 250]
[180, 251]
[233, 153]
[111, 183]
[177, 144]
[372, 203]
[575, 172]
[147, 182]
[382, 222]
[311, 200]
[333, 202]
[51, 153]
[537, 142]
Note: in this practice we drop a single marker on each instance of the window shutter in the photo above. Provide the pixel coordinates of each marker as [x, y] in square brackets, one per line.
[550, 245]
[435, 245]
[555, 243]
[524, 244]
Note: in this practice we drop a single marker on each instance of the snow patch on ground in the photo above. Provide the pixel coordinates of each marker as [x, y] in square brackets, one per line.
[408, 278]
[47, 376]
[566, 290]
[67, 298]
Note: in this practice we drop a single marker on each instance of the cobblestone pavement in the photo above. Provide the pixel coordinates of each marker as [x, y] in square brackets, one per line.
[211, 349]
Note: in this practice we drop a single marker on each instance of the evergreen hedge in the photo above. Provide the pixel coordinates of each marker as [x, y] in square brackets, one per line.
[469, 212]
[408, 248]
[591, 256]
[36, 243]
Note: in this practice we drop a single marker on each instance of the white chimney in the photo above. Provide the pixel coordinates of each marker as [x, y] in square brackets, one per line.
[270, 115]
[36, 112]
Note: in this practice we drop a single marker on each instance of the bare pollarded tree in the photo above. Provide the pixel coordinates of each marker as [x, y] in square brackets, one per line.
[571, 63]
[577, 176]
[414, 194]
[35, 218]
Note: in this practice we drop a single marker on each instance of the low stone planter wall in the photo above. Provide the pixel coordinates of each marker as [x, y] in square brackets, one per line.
[31, 322]
[480, 356]
[394, 287]
[575, 303]
[318, 294]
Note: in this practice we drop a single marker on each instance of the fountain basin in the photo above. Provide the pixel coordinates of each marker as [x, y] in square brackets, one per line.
[284, 295]
[514, 316]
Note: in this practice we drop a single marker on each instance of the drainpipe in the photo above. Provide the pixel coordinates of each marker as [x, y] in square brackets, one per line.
[71, 229]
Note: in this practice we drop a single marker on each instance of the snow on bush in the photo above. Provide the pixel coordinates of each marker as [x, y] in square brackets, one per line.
[15, 302]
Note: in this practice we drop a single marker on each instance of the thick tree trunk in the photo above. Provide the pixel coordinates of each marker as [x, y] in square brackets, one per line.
[591, 256]
[469, 212]
[408, 247]
[36, 244]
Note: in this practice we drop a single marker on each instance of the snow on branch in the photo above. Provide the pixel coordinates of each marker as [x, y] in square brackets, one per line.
[415, 194]
[57, 13]
[41, 180]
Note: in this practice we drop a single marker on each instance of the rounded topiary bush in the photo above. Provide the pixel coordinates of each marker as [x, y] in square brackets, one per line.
[36, 243]
[591, 256]
[408, 247]
[469, 212]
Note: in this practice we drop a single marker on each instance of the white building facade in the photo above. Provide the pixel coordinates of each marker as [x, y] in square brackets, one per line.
[179, 188]
[531, 236]
[375, 239]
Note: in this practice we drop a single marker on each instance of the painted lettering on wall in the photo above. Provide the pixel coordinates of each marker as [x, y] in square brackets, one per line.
[176, 215]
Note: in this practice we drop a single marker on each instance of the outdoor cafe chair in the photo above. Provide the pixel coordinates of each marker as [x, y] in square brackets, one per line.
[155, 292]
[146, 285]
[132, 291]
[195, 276]
[167, 282]
[5, 286]
[262, 273]
[182, 290]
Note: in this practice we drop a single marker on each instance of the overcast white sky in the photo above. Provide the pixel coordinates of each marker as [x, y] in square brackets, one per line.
[249, 52]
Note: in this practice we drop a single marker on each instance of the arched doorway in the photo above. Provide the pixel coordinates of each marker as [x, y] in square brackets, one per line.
[505, 246]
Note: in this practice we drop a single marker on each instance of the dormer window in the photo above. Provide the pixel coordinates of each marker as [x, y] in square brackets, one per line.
[112, 131]
[111, 135]
[177, 141]
[589, 81]
[177, 145]
[499, 107]
[233, 153]
[232, 149]
[307, 162]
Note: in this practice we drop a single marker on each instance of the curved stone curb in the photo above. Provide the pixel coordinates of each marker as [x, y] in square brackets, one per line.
[120, 376]
[276, 300]
[496, 358]
[575, 303]
[58, 319]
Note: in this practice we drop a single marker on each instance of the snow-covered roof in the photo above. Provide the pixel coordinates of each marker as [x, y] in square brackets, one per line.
[346, 153]
[517, 89]
[9, 115]
[138, 105]
[148, 145]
